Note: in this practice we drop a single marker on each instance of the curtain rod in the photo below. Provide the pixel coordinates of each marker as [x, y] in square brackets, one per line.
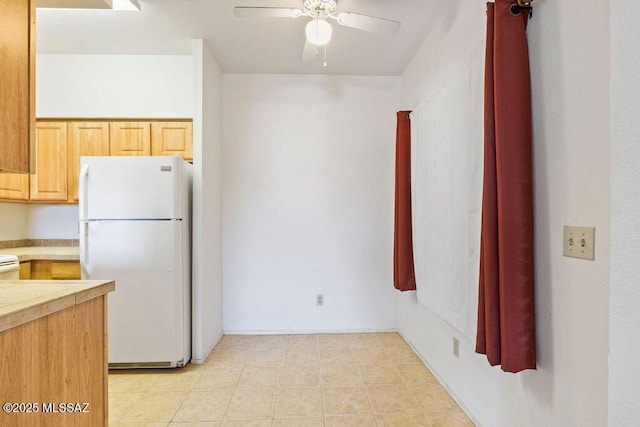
[522, 5]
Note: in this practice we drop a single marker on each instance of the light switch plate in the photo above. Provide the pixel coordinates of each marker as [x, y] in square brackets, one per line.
[579, 242]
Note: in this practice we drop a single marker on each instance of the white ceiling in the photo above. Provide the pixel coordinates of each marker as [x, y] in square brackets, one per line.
[242, 45]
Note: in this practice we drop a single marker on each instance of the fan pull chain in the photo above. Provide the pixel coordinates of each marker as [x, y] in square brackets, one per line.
[325, 56]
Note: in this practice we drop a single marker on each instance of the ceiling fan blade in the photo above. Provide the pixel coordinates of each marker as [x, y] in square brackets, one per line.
[266, 12]
[368, 23]
[310, 52]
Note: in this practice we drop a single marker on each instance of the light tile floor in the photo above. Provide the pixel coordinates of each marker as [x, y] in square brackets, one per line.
[288, 380]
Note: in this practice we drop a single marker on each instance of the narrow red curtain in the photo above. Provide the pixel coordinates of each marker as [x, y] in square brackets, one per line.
[506, 315]
[404, 278]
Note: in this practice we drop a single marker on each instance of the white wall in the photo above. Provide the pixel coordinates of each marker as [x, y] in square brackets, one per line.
[114, 86]
[53, 221]
[14, 223]
[308, 179]
[207, 202]
[23, 221]
[624, 346]
[569, 47]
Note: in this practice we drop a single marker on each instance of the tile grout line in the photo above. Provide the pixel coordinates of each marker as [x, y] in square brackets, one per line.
[275, 403]
[366, 392]
[233, 392]
[320, 381]
[180, 406]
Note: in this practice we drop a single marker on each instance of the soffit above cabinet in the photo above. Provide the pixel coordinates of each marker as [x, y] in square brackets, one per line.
[74, 4]
[89, 4]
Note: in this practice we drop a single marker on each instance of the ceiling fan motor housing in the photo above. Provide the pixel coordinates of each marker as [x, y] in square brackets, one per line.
[314, 6]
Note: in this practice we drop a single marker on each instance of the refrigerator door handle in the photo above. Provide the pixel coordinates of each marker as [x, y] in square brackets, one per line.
[82, 190]
[84, 250]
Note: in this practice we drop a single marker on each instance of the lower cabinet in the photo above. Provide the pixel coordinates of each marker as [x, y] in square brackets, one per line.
[59, 363]
[25, 270]
[53, 270]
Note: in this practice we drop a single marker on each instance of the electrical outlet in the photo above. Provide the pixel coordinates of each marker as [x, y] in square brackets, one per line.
[579, 242]
[319, 300]
[456, 348]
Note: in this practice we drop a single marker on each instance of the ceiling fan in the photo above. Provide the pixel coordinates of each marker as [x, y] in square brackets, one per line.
[318, 31]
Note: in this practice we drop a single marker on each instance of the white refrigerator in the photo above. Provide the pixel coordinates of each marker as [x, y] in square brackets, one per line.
[135, 228]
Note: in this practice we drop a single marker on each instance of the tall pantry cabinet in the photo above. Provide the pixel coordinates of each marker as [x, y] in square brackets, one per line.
[17, 83]
[17, 96]
[14, 186]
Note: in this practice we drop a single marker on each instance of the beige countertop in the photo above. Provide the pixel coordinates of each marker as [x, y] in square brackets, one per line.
[22, 301]
[52, 253]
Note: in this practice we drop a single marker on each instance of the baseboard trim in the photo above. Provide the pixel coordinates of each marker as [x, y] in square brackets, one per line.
[310, 332]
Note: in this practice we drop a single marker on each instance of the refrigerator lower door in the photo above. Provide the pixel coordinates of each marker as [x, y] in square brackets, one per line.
[149, 311]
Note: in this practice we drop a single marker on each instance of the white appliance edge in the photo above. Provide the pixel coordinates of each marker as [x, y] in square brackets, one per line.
[135, 228]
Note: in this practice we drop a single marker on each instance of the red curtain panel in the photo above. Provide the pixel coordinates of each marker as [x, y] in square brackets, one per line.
[404, 278]
[506, 314]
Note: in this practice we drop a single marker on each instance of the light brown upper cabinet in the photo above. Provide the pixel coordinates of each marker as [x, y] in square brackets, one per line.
[172, 139]
[14, 186]
[17, 83]
[85, 139]
[49, 183]
[130, 139]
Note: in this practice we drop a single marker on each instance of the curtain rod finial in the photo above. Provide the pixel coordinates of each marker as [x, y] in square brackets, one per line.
[516, 9]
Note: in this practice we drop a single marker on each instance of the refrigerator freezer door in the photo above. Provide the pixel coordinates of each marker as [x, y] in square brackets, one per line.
[132, 188]
[150, 309]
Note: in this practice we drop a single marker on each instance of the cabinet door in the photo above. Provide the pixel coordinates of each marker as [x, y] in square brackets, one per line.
[53, 270]
[65, 270]
[17, 82]
[40, 270]
[172, 139]
[25, 270]
[130, 139]
[85, 139]
[49, 182]
[14, 186]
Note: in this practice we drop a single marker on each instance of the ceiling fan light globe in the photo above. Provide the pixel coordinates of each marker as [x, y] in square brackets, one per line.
[318, 32]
